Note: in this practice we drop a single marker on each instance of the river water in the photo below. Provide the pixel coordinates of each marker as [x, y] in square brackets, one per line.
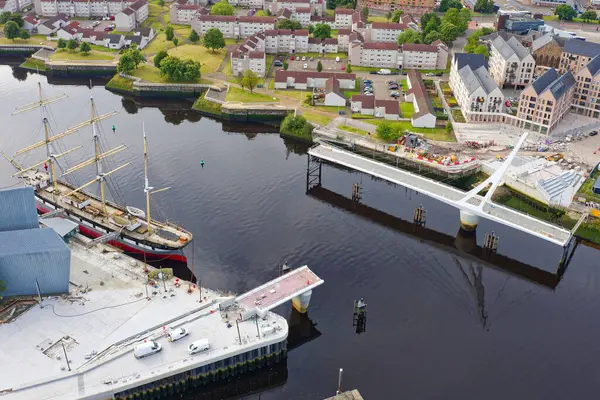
[441, 324]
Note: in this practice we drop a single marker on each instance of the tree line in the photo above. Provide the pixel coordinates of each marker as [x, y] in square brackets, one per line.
[452, 24]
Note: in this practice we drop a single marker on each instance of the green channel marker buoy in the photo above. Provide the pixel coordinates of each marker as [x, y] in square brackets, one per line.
[202, 163]
[114, 129]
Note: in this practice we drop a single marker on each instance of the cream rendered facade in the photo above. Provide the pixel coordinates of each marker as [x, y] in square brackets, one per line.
[85, 8]
[244, 29]
[510, 63]
[302, 15]
[343, 17]
[277, 42]
[223, 23]
[381, 32]
[586, 99]
[183, 14]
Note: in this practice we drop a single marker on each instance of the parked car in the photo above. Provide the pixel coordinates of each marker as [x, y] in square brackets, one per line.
[311, 59]
[593, 133]
[303, 58]
[392, 82]
[305, 66]
[111, 18]
[337, 59]
[342, 112]
[507, 103]
[439, 74]
[430, 74]
[395, 93]
[107, 29]
[374, 73]
[292, 58]
[368, 81]
[343, 67]
[393, 87]
[96, 23]
[278, 63]
[403, 73]
[369, 94]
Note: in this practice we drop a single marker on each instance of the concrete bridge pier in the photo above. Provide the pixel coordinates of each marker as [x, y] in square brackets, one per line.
[302, 301]
[466, 240]
[468, 221]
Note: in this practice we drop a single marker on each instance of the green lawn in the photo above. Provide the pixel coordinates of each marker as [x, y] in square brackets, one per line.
[377, 19]
[229, 42]
[183, 31]
[34, 64]
[351, 129]
[150, 73]
[327, 55]
[407, 109]
[32, 40]
[330, 109]
[77, 55]
[210, 60]
[159, 43]
[586, 188]
[238, 94]
[166, 18]
[458, 116]
[364, 69]
[404, 85]
[329, 13]
[350, 93]
[103, 49]
[429, 133]
[316, 118]
[120, 83]
[296, 94]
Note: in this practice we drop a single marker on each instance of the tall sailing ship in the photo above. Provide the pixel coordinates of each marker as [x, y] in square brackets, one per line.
[125, 227]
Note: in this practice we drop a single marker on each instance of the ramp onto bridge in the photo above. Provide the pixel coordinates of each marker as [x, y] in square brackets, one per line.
[278, 291]
[442, 192]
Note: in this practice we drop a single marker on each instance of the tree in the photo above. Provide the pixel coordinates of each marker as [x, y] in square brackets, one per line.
[175, 41]
[311, 29]
[126, 63]
[432, 25]
[62, 43]
[285, 65]
[297, 126]
[222, 8]
[158, 58]
[364, 12]
[482, 49]
[85, 47]
[445, 5]
[161, 2]
[177, 70]
[289, 24]
[11, 30]
[169, 32]
[24, 34]
[5, 17]
[449, 32]
[72, 44]
[484, 6]
[460, 19]
[565, 12]
[213, 39]
[409, 36]
[589, 15]
[194, 36]
[322, 31]
[319, 67]
[472, 41]
[427, 18]
[348, 68]
[15, 17]
[386, 132]
[268, 12]
[250, 80]
[432, 37]
[388, 16]
[136, 55]
[397, 15]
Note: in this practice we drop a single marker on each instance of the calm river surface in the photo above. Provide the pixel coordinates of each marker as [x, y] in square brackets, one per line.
[441, 325]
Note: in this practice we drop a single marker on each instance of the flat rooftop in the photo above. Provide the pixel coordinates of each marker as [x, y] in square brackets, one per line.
[105, 314]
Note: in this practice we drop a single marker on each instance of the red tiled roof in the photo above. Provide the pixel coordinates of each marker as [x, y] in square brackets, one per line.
[302, 10]
[391, 106]
[418, 89]
[367, 102]
[285, 32]
[302, 76]
[301, 32]
[128, 11]
[344, 31]
[271, 32]
[30, 19]
[293, 1]
[344, 11]
[425, 48]
[188, 7]
[256, 54]
[221, 18]
[385, 25]
[284, 12]
[314, 40]
[380, 46]
[264, 20]
[331, 41]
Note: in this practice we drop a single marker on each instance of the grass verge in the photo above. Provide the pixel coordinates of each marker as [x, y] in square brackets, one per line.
[430, 133]
[120, 84]
[207, 107]
[73, 55]
[238, 94]
[34, 64]
[407, 109]
[316, 118]
[352, 129]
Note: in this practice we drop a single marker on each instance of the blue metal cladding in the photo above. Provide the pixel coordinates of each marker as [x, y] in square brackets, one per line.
[30, 254]
[17, 209]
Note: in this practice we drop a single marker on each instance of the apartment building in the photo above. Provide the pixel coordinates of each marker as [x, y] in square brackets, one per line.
[414, 7]
[385, 32]
[423, 56]
[373, 54]
[317, 7]
[510, 64]
[249, 55]
[247, 26]
[343, 17]
[547, 50]
[424, 115]
[577, 54]
[30, 23]
[546, 101]
[125, 20]
[90, 8]
[183, 13]
[586, 98]
[257, 4]
[302, 15]
[52, 25]
[343, 38]
[478, 95]
[14, 5]
[231, 26]
[312, 79]
[323, 46]
[286, 41]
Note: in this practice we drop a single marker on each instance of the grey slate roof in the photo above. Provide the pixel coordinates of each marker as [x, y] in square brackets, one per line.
[480, 78]
[594, 65]
[62, 226]
[581, 47]
[544, 40]
[17, 209]
[555, 187]
[507, 48]
[472, 60]
[114, 39]
[558, 85]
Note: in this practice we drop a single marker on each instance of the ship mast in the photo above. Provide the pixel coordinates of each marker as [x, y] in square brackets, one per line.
[98, 156]
[51, 157]
[147, 188]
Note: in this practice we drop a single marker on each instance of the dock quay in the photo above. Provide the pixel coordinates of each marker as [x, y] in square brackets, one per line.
[350, 395]
[80, 344]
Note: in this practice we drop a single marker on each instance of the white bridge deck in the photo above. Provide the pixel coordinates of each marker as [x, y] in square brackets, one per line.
[443, 192]
[279, 290]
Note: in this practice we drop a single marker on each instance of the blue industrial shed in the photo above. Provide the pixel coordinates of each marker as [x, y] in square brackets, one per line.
[34, 254]
[596, 187]
[17, 209]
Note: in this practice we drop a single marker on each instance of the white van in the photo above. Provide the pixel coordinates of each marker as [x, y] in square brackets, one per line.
[146, 349]
[198, 346]
[176, 334]
[337, 59]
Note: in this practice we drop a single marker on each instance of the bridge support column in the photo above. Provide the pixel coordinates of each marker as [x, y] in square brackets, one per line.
[468, 221]
[301, 302]
[313, 173]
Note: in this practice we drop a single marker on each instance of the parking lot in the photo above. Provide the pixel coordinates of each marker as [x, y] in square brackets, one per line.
[380, 86]
[89, 24]
[329, 64]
